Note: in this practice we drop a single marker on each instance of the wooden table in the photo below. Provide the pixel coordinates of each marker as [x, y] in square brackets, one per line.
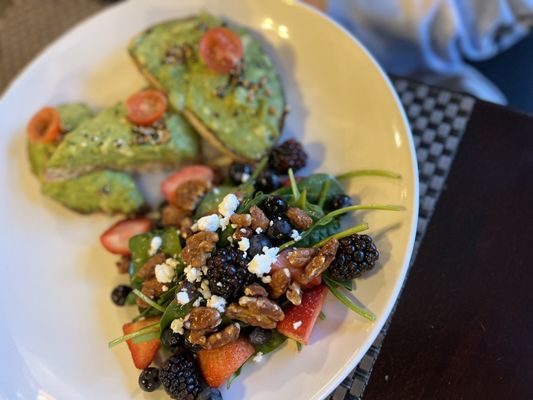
[463, 328]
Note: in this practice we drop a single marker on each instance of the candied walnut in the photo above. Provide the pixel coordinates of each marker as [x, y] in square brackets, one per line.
[152, 288]
[242, 233]
[197, 337]
[123, 265]
[172, 215]
[255, 289]
[279, 283]
[147, 270]
[259, 219]
[189, 194]
[229, 334]
[322, 260]
[203, 318]
[294, 293]
[256, 311]
[198, 248]
[185, 227]
[241, 220]
[299, 258]
[299, 218]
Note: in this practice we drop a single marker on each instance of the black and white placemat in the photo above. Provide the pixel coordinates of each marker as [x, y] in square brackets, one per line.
[437, 118]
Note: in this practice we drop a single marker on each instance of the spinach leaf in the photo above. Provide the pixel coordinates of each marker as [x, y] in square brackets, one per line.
[275, 342]
[348, 285]
[174, 311]
[211, 200]
[146, 337]
[250, 201]
[313, 184]
[319, 232]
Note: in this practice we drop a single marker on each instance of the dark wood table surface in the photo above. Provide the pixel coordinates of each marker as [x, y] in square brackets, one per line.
[463, 328]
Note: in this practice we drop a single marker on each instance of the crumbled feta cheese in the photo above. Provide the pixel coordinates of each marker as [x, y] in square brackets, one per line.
[295, 235]
[165, 273]
[245, 177]
[177, 326]
[216, 190]
[217, 302]
[234, 226]
[271, 223]
[266, 279]
[209, 223]
[192, 274]
[171, 262]
[219, 284]
[258, 357]
[228, 205]
[204, 289]
[204, 269]
[260, 264]
[297, 324]
[155, 244]
[182, 297]
[197, 302]
[164, 288]
[223, 223]
[259, 230]
[244, 244]
[230, 239]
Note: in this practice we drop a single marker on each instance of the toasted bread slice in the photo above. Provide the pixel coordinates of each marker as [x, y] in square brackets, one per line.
[240, 114]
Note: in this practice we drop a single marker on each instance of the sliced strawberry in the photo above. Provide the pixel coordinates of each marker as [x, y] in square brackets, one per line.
[190, 173]
[218, 365]
[296, 273]
[300, 320]
[143, 353]
[116, 238]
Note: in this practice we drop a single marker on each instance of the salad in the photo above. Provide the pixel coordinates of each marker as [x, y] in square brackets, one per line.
[242, 253]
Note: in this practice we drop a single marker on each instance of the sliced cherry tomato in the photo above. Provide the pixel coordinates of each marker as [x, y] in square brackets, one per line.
[146, 107]
[190, 173]
[44, 126]
[116, 238]
[221, 49]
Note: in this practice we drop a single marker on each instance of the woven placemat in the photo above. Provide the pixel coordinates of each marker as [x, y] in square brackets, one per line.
[437, 117]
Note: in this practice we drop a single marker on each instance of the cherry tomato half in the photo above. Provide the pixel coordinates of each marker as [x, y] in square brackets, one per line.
[146, 107]
[221, 49]
[44, 126]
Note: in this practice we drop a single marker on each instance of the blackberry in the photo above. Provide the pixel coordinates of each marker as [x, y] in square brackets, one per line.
[171, 339]
[356, 255]
[149, 379]
[180, 377]
[259, 337]
[228, 273]
[289, 154]
[239, 173]
[274, 206]
[338, 201]
[120, 294]
[257, 242]
[268, 181]
[279, 231]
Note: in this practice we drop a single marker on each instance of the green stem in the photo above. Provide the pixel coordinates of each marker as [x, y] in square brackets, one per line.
[369, 172]
[343, 234]
[259, 168]
[323, 193]
[148, 300]
[294, 185]
[321, 316]
[347, 302]
[140, 332]
[384, 207]
[303, 199]
[287, 244]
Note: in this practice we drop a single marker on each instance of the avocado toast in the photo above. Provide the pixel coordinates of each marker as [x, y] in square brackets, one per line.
[240, 112]
[107, 191]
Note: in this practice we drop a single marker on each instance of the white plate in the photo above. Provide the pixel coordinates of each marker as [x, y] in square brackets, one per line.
[56, 316]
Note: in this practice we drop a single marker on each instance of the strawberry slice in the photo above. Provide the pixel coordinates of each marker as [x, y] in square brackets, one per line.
[218, 365]
[143, 353]
[300, 320]
[190, 173]
[296, 273]
[116, 238]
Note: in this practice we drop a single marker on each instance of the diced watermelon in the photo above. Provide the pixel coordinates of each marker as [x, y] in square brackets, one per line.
[143, 353]
[296, 273]
[190, 173]
[300, 320]
[217, 365]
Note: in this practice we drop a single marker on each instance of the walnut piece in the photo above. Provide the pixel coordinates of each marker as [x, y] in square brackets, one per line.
[147, 270]
[197, 337]
[242, 233]
[198, 248]
[299, 258]
[152, 288]
[189, 194]
[294, 293]
[185, 227]
[241, 220]
[256, 311]
[322, 260]
[255, 289]
[299, 218]
[279, 283]
[229, 334]
[172, 215]
[123, 265]
[203, 318]
[259, 219]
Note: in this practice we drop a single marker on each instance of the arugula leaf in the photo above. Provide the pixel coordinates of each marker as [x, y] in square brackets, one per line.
[235, 375]
[348, 302]
[299, 346]
[175, 311]
[212, 199]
